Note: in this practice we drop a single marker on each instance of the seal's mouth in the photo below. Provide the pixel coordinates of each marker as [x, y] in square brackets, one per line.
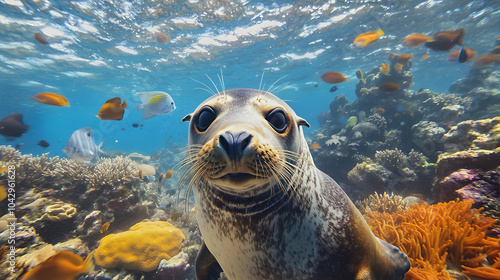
[238, 178]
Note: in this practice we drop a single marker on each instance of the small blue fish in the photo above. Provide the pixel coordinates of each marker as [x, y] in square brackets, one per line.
[462, 56]
[333, 89]
[81, 146]
[155, 103]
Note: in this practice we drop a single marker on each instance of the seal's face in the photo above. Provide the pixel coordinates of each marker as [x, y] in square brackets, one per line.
[242, 138]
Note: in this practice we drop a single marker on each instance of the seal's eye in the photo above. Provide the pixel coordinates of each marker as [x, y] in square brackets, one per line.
[278, 120]
[205, 118]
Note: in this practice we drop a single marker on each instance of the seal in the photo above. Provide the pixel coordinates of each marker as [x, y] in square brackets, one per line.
[264, 210]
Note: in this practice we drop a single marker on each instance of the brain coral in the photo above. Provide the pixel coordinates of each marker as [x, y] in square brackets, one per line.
[140, 248]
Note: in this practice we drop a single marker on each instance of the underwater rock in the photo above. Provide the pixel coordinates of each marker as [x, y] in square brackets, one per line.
[471, 159]
[427, 136]
[140, 248]
[173, 269]
[480, 134]
[139, 158]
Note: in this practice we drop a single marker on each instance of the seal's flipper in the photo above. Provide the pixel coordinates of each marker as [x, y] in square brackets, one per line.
[206, 266]
[401, 264]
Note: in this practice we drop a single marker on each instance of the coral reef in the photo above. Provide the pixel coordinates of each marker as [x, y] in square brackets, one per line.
[392, 170]
[59, 211]
[440, 237]
[384, 203]
[141, 248]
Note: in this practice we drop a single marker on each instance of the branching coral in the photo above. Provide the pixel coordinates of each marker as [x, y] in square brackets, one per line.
[384, 203]
[436, 235]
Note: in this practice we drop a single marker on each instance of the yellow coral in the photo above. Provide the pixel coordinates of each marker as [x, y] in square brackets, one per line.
[140, 248]
[436, 235]
[59, 211]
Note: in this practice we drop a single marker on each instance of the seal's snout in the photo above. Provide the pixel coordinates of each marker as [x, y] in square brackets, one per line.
[234, 145]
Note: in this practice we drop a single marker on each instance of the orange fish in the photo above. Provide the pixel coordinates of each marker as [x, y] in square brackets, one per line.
[162, 38]
[454, 55]
[379, 111]
[389, 87]
[366, 39]
[168, 175]
[334, 77]
[416, 40]
[398, 67]
[486, 60]
[403, 58]
[39, 37]
[425, 56]
[359, 74]
[61, 266]
[49, 98]
[384, 69]
[161, 178]
[446, 40]
[105, 227]
[496, 50]
[314, 146]
[140, 174]
[112, 109]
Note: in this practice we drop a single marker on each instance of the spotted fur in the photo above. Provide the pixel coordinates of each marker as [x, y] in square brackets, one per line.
[292, 221]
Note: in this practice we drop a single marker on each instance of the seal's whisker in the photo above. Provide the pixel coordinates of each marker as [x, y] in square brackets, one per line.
[269, 90]
[260, 85]
[221, 81]
[216, 88]
[208, 89]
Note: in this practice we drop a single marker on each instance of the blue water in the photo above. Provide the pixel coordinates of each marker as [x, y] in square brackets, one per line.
[102, 49]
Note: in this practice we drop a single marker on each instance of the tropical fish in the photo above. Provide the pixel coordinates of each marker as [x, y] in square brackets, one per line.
[446, 40]
[61, 266]
[366, 39]
[416, 40]
[162, 38]
[155, 103]
[359, 74]
[158, 156]
[403, 58]
[497, 40]
[168, 175]
[135, 125]
[379, 111]
[467, 53]
[496, 50]
[113, 109]
[389, 87]
[104, 227]
[161, 178]
[398, 67]
[333, 77]
[425, 56]
[43, 144]
[50, 98]
[486, 60]
[140, 174]
[39, 37]
[333, 89]
[314, 146]
[384, 69]
[12, 125]
[3, 192]
[81, 146]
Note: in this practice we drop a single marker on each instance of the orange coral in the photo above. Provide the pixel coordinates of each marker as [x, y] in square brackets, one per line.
[436, 235]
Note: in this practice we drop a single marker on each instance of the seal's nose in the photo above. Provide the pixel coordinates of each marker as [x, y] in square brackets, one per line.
[234, 145]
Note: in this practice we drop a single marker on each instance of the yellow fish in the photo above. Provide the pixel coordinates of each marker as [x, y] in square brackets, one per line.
[366, 39]
[384, 69]
[61, 266]
[105, 227]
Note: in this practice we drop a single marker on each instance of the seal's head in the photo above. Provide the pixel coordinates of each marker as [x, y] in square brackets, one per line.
[242, 138]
